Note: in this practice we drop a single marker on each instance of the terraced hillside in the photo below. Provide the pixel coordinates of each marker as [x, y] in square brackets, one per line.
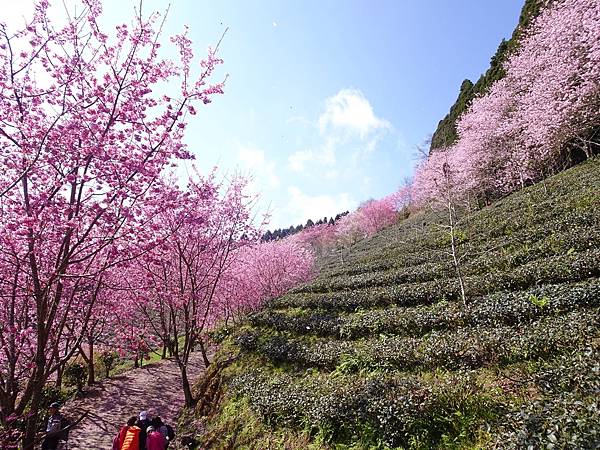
[380, 352]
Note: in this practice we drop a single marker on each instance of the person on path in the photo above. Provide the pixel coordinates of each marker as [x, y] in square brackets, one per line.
[159, 426]
[120, 437]
[53, 429]
[164, 429]
[131, 437]
[143, 423]
[155, 440]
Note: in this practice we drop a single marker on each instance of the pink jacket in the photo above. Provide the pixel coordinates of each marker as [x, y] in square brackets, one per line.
[155, 441]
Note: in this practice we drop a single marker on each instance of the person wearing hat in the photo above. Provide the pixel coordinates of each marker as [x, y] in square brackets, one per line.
[143, 423]
[53, 429]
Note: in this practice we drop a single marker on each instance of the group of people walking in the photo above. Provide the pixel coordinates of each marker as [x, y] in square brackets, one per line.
[144, 433]
[141, 433]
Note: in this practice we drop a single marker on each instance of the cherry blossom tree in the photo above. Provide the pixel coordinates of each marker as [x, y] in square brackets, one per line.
[438, 184]
[557, 71]
[319, 238]
[182, 275]
[535, 120]
[261, 272]
[83, 143]
[371, 217]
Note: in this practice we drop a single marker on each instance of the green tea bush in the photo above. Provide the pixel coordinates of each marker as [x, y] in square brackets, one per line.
[109, 359]
[500, 308]
[461, 348]
[393, 411]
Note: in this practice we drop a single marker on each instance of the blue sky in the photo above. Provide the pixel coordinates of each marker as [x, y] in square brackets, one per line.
[325, 100]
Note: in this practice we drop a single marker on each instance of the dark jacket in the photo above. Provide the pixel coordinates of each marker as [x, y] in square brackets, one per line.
[143, 424]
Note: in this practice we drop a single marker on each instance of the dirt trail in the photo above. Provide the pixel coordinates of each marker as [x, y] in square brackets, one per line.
[155, 388]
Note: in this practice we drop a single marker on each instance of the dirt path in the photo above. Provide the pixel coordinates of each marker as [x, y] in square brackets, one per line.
[155, 388]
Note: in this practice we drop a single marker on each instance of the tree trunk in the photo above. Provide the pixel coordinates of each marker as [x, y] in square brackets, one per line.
[187, 390]
[89, 362]
[59, 375]
[203, 351]
[36, 399]
[91, 373]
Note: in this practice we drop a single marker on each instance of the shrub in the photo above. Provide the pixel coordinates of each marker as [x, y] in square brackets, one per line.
[109, 360]
[563, 422]
[75, 375]
[500, 308]
[462, 348]
[375, 410]
[51, 394]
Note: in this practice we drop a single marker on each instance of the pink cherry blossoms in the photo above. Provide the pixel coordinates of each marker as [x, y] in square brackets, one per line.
[84, 142]
[261, 272]
[538, 118]
[101, 249]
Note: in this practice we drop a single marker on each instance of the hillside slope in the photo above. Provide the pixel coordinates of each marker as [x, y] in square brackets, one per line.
[380, 352]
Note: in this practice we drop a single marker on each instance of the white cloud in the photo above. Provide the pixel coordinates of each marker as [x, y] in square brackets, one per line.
[297, 160]
[349, 110]
[325, 156]
[302, 206]
[299, 119]
[264, 172]
[348, 123]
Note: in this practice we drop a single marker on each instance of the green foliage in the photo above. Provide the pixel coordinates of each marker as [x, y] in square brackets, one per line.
[500, 308]
[461, 348]
[108, 359]
[568, 415]
[446, 134]
[219, 334]
[540, 302]
[51, 394]
[238, 426]
[76, 374]
[355, 363]
[378, 411]
[378, 352]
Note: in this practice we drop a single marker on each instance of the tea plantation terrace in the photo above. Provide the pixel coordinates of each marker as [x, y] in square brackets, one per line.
[379, 351]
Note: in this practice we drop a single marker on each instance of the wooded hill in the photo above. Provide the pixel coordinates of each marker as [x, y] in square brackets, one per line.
[446, 133]
[381, 352]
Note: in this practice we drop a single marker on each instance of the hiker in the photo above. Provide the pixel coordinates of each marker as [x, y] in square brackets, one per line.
[159, 426]
[133, 439]
[143, 423]
[164, 429]
[170, 434]
[155, 440]
[53, 428]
